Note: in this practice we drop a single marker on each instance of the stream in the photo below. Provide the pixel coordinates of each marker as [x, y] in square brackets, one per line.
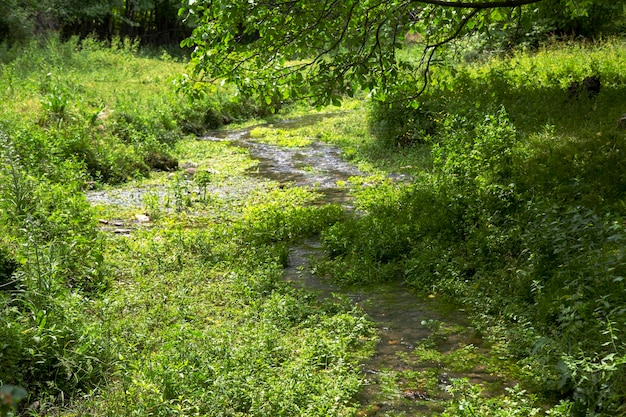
[402, 378]
[425, 343]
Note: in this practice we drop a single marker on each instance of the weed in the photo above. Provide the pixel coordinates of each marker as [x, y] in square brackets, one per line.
[203, 179]
[17, 185]
[468, 401]
[152, 203]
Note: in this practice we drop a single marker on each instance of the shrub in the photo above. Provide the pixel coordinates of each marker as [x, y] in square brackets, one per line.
[402, 123]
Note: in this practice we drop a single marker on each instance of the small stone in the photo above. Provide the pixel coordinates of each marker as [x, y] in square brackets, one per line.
[142, 218]
[103, 221]
[622, 122]
[122, 231]
[413, 394]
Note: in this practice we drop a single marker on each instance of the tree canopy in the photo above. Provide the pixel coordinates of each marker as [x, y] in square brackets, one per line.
[284, 49]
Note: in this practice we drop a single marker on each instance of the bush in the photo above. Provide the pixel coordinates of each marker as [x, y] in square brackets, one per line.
[520, 218]
[402, 123]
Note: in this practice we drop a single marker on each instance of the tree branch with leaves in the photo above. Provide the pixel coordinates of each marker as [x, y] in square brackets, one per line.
[295, 49]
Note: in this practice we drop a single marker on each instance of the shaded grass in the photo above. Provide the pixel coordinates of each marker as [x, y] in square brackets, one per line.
[516, 211]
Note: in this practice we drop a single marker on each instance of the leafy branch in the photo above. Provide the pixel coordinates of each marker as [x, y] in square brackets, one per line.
[297, 48]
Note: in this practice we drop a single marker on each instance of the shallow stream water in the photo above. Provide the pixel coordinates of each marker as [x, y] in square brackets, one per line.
[317, 166]
[404, 320]
[402, 378]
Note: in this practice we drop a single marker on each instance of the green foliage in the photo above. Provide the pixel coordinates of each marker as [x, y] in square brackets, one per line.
[15, 22]
[468, 401]
[54, 265]
[78, 100]
[520, 217]
[84, 332]
[225, 334]
[55, 104]
[476, 154]
[156, 23]
[327, 51]
[516, 212]
[276, 222]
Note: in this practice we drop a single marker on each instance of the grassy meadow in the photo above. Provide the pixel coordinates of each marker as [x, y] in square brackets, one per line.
[185, 316]
[511, 206]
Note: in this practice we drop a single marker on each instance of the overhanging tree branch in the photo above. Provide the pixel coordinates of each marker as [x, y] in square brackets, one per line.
[326, 47]
[477, 5]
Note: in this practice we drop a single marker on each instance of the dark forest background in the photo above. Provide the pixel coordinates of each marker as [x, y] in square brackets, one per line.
[158, 22]
[151, 22]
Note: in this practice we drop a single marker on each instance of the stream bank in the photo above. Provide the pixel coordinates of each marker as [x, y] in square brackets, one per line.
[426, 344]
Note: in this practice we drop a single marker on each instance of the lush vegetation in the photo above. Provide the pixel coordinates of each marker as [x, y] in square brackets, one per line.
[323, 51]
[188, 316]
[510, 204]
[516, 209]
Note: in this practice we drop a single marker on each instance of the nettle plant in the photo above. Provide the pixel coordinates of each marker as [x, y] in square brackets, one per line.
[476, 153]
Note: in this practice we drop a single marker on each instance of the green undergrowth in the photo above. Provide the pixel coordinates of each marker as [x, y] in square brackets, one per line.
[515, 209]
[199, 320]
[202, 325]
[105, 106]
[191, 316]
[169, 301]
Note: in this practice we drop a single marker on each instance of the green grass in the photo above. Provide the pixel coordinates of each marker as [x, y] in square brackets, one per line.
[224, 334]
[512, 206]
[188, 314]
